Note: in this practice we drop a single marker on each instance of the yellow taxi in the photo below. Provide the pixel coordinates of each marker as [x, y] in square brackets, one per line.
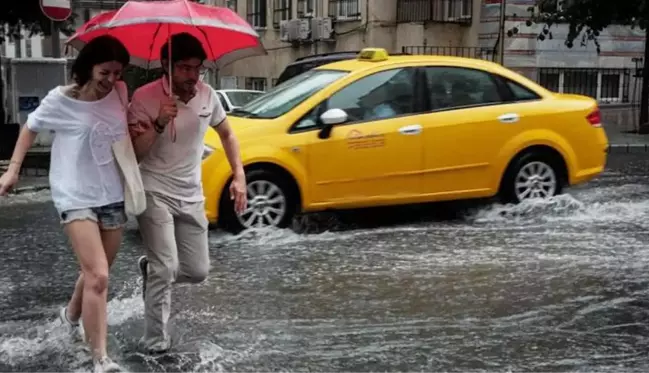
[384, 130]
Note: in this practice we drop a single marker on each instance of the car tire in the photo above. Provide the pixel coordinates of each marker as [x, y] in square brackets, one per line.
[532, 175]
[268, 194]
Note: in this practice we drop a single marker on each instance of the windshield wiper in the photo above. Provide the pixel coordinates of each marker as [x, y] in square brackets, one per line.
[243, 113]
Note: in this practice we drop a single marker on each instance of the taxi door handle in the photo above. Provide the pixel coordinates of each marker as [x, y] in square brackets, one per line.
[413, 129]
[509, 118]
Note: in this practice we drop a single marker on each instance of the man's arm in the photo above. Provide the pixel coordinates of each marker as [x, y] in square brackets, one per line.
[231, 147]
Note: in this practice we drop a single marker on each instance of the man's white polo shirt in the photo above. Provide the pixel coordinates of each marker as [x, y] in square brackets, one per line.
[174, 168]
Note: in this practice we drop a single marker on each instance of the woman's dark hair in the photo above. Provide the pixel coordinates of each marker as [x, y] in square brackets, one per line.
[183, 47]
[99, 50]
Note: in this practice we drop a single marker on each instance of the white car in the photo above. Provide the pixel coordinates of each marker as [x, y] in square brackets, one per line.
[236, 98]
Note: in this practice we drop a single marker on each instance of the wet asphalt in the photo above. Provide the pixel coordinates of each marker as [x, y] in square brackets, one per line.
[554, 286]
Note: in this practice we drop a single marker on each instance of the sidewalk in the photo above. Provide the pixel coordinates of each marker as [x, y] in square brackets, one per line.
[31, 179]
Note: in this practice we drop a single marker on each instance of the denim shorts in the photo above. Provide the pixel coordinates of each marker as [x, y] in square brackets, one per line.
[108, 217]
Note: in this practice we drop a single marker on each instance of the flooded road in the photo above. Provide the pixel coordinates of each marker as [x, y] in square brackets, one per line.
[554, 286]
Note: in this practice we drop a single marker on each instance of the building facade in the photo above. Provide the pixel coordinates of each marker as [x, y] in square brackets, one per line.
[290, 29]
[294, 28]
[610, 75]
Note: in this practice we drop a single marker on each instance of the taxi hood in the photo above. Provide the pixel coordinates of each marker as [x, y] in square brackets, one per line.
[245, 129]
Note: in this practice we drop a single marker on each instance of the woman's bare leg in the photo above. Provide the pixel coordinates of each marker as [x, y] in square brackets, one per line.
[111, 240]
[87, 244]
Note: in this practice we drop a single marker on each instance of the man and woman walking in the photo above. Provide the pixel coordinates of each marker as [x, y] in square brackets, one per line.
[89, 118]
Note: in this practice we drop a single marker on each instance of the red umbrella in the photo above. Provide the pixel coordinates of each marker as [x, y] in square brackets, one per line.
[144, 26]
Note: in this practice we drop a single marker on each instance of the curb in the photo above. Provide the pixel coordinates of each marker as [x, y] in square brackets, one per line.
[29, 189]
[628, 148]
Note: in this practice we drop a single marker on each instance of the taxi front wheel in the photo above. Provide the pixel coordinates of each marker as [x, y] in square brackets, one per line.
[271, 203]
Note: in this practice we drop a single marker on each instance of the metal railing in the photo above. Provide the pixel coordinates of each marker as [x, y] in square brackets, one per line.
[440, 11]
[467, 52]
[98, 4]
[605, 85]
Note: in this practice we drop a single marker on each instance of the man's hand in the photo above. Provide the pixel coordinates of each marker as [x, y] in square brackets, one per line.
[239, 193]
[7, 182]
[168, 111]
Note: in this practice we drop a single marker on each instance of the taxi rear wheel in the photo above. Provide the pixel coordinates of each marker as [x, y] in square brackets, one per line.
[536, 174]
[271, 203]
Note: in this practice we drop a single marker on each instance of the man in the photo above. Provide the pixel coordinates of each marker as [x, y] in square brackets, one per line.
[168, 140]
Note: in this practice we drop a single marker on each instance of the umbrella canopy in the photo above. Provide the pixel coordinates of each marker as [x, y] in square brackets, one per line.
[144, 26]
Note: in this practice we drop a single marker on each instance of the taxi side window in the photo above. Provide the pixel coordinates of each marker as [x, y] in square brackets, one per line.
[383, 95]
[455, 87]
[520, 93]
[310, 120]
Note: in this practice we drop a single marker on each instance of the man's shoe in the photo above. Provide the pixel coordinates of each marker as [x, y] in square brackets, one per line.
[143, 263]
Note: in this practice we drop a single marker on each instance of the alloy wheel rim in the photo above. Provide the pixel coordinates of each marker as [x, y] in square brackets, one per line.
[266, 205]
[535, 180]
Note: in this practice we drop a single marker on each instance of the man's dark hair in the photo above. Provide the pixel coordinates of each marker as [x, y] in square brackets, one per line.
[184, 46]
[99, 50]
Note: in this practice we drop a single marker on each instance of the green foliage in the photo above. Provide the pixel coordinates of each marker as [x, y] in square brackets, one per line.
[28, 14]
[585, 18]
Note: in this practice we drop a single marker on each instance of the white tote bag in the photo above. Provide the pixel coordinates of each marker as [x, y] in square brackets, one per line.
[134, 197]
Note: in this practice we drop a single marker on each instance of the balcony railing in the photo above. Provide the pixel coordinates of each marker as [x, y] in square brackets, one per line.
[98, 4]
[605, 85]
[440, 11]
[467, 52]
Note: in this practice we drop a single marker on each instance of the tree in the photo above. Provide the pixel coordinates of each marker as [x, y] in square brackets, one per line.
[586, 19]
[27, 14]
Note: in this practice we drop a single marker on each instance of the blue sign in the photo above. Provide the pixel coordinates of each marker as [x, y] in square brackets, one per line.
[28, 103]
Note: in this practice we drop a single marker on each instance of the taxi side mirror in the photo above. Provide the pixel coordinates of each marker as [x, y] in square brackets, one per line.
[329, 119]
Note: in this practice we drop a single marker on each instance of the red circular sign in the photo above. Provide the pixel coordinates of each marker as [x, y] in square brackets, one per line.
[56, 10]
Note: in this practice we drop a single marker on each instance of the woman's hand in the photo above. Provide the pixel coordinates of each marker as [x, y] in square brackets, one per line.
[8, 180]
[136, 129]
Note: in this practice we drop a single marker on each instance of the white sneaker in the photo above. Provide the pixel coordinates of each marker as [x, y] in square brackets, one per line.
[106, 365]
[74, 328]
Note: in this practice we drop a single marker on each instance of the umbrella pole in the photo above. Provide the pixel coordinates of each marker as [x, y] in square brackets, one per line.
[172, 128]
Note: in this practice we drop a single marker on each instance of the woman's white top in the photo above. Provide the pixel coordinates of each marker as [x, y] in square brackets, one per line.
[83, 171]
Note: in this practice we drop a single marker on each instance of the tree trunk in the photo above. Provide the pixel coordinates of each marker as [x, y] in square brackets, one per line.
[643, 126]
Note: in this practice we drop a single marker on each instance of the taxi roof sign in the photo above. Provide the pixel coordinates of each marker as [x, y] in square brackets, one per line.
[373, 54]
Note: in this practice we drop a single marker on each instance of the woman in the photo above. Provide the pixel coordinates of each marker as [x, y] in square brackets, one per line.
[87, 117]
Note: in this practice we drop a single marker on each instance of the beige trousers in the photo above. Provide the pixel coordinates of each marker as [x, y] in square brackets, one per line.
[175, 235]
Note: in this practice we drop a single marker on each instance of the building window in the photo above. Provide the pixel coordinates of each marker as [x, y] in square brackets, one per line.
[344, 10]
[281, 11]
[257, 84]
[605, 85]
[28, 47]
[232, 4]
[305, 8]
[439, 11]
[256, 13]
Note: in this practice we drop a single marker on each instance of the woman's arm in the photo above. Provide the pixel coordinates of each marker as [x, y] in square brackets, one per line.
[143, 136]
[24, 142]
[10, 177]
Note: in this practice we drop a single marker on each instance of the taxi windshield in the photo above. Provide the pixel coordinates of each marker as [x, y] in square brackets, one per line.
[284, 97]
